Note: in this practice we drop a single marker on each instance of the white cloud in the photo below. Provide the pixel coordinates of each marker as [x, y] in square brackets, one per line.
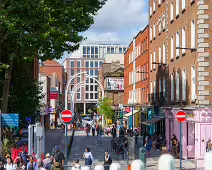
[118, 21]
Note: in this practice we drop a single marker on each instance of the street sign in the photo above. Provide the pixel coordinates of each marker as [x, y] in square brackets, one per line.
[181, 116]
[66, 116]
[10, 119]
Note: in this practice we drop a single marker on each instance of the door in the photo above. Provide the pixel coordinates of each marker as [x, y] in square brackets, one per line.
[205, 135]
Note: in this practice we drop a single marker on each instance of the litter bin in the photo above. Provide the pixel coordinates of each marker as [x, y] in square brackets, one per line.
[142, 154]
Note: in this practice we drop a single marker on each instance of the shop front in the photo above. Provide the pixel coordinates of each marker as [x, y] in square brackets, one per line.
[196, 131]
[155, 121]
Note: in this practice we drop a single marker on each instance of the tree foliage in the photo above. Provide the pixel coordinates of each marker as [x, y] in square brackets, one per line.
[105, 107]
[43, 28]
[25, 92]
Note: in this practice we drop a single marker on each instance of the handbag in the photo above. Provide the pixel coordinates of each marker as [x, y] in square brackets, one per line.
[89, 160]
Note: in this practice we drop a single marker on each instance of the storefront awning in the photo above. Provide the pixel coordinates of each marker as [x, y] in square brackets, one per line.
[130, 113]
[151, 121]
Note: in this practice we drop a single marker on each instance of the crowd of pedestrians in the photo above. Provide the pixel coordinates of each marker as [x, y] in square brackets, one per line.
[27, 162]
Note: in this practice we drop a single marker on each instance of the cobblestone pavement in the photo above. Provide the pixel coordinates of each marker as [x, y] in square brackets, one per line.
[97, 149]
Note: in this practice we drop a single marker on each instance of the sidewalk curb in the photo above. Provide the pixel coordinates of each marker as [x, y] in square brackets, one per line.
[70, 143]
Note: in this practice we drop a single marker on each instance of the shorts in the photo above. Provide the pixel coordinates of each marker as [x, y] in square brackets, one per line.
[164, 148]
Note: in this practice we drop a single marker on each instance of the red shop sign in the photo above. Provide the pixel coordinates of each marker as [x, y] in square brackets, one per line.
[54, 95]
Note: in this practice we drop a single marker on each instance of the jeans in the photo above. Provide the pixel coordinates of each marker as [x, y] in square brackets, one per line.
[99, 137]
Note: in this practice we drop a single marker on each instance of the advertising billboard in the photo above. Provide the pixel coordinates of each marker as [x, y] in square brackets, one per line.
[115, 83]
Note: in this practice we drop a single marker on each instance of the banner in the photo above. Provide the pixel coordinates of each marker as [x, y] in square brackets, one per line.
[54, 95]
[115, 83]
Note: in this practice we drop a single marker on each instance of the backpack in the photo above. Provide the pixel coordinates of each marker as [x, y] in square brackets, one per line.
[59, 156]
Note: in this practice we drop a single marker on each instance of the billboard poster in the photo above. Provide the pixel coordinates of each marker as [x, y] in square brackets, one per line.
[115, 83]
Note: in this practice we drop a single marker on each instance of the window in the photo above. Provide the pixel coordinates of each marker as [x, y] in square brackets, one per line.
[92, 50]
[88, 51]
[184, 84]
[193, 83]
[183, 4]
[72, 72]
[96, 51]
[159, 2]
[159, 55]
[78, 79]
[154, 5]
[78, 70]
[139, 49]
[108, 49]
[177, 44]
[91, 95]
[164, 53]
[91, 88]
[112, 50]
[72, 64]
[172, 47]
[177, 7]
[154, 59]
[78, 96]
[150, 11]
[154, 30]
[86, 95]
[150, 33]
[124, 49]
[154, 90]
[100, 63]
[151, 87]
[84, 50]
[87, 88]
[193, 34]
[164, 87]
[91, 80]
[164, 23]
[171, 12]
[96, 72]
[172, 87]
[177, 86]
[87, 64]
[150, 61]
[78, 64]
[96, 64]
[130, 78]
[96, 87]
[160, 89]
[96, 95]
[183, 40]
[91, 64]
[160, 27]
[91, 72]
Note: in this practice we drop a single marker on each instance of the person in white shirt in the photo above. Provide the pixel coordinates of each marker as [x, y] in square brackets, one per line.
[76, 165]
[89, 160]
[9, 165]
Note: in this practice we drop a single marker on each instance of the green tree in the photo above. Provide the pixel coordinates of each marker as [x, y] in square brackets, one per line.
[44, 28]
[25, 92]
[105, 107]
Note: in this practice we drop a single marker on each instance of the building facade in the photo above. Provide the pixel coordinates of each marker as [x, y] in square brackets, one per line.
[140, 78]
[179, 73]
[88, 58]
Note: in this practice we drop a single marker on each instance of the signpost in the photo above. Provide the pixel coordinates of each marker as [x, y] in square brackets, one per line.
[67, 117]
[10, 119]
[181, 117]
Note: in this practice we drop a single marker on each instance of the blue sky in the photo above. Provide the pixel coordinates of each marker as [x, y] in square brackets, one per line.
[118, 21]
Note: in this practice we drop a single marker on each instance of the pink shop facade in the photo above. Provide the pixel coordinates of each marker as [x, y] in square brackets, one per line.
[197, 130]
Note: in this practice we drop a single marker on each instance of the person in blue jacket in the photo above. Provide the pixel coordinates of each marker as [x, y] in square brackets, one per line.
[149, 145]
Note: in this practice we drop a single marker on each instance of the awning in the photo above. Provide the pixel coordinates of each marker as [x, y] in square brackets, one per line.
[151, 121]
[130, 113]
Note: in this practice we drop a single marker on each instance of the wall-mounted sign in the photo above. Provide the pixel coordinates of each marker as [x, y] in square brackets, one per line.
[10, 119]
[54, 93]
[115, 83]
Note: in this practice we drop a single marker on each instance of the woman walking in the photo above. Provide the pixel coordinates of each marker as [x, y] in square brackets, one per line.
[149, 145]
[107, 160]
[89, 160]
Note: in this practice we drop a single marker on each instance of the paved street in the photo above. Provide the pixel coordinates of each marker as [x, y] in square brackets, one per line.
[97, 149]
[54, 137]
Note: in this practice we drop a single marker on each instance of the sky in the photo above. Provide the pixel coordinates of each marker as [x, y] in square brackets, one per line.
[118, 21]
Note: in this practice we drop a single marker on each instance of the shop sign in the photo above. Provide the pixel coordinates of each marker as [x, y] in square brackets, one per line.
[54, 95]
[115, 83]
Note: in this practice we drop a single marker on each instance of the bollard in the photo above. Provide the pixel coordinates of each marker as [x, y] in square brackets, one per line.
[142, 154]
[99, 167]
[115, 166]
[85, 168]
[166, 162]
[208, 162]
[137, 165]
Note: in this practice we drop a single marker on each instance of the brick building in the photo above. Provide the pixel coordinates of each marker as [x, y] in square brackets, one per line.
[51, 66]
[179, 70]
[141, 76]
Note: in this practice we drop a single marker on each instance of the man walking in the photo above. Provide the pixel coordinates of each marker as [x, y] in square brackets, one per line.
[113, 131]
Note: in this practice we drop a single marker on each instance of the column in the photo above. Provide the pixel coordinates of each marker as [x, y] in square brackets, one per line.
[84, 108]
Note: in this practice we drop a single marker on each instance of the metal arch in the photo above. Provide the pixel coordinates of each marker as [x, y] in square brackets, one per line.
[99, 85]
[78, 84]
[68, 84]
